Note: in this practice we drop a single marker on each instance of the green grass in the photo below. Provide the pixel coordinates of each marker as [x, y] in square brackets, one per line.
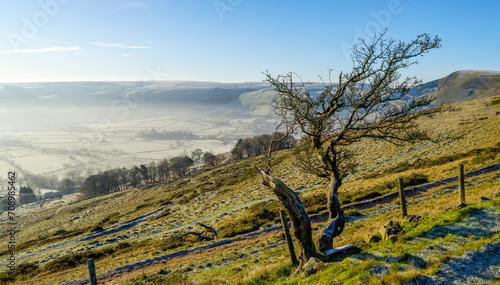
[176, 278]
[165, 213]
[479, 155]
[314, 202]
[381, 189]
[46, 239]
[75, 259]
[268, 276]
[495, 102]
[252, 219]
[228, 187]
[29, 270]
[358, 269]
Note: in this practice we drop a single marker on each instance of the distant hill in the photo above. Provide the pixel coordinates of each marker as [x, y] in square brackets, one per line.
[226, 100]
[462, 85]
[149, 92]
[44, 104]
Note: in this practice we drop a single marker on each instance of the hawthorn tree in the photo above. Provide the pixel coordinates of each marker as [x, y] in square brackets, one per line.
[370, 102]
[66, 185]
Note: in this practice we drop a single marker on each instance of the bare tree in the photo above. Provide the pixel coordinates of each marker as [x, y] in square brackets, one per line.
[220, 158]
[76, 175]
[101, 183]
[153, 171]
[368, 103]
[259, 144]
[250, 147]
[181, 165]
[66, 185]
[144, 172]
[237, 151]
[124, 177]
[210, 159]
[196, 154]
[164, 169]
[135, 176]
[90, 170]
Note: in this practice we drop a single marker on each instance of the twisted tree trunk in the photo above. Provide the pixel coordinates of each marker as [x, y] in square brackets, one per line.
[301, 224]
[336, 219]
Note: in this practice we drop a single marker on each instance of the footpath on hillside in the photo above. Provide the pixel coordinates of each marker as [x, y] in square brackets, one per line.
[153, 265]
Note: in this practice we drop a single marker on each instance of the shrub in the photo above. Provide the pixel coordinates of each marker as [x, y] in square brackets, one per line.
[403, 166]
[140, 206]
[75, 259]
[483, 157]
[188, 196]
[415, 179]
[495, 102]
[173, 279]
[165, 213]
[171, 243]
[251, 220]
[164, 202]
[480, 153]
[352, 212]
[28, 268]
[373, 194]
[123, 245]
[378, 190]
[110, 219]
[4, 206]
[315, 202]
[96, 228]
[26, 196]
[6, 277]
[409, 180]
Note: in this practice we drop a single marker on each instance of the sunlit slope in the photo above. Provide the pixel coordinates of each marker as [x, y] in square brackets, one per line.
[461, 85]
[223, 196]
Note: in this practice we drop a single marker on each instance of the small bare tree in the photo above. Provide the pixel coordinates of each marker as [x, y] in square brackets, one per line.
[368, 103]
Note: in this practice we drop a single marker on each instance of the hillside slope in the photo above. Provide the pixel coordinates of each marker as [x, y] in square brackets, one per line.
[462, 85]
[139, 224]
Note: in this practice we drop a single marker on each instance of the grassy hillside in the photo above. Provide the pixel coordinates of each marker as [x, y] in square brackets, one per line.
[462, 85]
[120, 229]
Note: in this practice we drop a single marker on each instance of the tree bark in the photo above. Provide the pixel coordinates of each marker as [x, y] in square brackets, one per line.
[301, 224]
[336, 220]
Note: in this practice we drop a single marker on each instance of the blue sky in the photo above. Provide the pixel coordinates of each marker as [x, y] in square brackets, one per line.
[230, 40]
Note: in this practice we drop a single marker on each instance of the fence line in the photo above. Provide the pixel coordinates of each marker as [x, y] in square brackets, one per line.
[411, 192]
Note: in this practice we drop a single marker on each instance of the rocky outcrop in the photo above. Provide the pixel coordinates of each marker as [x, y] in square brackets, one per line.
[390, 231]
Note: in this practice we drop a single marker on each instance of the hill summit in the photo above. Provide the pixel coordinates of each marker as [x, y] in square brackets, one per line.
[462, 85]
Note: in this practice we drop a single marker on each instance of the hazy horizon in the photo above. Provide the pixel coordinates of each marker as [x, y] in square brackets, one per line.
[73, 84]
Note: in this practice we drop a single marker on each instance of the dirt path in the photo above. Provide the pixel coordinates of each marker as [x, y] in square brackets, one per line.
[150, 266]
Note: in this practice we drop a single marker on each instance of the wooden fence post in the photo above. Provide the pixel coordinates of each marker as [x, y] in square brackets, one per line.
[288, 237]
[461, 186]
[93, 276]
[402, 198]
